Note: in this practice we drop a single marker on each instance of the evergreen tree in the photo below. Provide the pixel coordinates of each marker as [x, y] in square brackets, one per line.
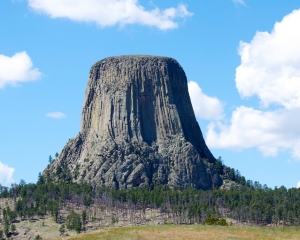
[41, 179]
[6, 229]
[12, 227]
[62, 229]
[73, 222]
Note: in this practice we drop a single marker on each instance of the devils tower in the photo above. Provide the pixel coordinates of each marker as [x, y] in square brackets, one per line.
[138, 128]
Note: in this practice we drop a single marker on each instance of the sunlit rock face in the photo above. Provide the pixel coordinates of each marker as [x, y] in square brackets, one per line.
[138, 128]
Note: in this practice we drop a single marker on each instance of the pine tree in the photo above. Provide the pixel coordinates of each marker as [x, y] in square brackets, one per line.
[62, 229]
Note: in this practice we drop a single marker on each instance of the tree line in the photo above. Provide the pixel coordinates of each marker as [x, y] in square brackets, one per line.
[251, 203]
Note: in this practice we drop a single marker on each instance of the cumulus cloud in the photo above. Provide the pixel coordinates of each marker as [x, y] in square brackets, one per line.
[17, 69]
[270, 64]
[298, 184]
[6, 174]
[269, 131]
[204, 106]
[111, 12]
[57, 115]
[270, 70]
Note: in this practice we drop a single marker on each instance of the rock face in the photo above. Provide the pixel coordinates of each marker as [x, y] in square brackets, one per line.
[138, 128]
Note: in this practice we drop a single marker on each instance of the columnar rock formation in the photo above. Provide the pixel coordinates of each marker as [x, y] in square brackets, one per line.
[138, 128]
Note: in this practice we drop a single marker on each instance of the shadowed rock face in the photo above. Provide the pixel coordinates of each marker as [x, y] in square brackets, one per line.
[138, 128]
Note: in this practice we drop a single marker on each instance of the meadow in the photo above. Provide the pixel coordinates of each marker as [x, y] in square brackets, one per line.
[178, 232]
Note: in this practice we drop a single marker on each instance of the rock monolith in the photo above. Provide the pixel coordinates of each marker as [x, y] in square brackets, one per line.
[138, 128]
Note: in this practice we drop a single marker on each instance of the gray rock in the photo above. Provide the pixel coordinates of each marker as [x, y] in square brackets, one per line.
[138, 128]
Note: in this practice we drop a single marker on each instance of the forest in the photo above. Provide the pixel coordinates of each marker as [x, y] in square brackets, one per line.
[249, 203]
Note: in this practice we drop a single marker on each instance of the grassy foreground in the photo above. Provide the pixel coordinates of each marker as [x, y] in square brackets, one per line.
[191, 232]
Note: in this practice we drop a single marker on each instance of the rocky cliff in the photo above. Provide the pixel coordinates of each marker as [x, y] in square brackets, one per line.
[138, 128]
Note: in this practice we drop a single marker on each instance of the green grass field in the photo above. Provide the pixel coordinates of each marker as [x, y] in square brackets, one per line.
[191, 232]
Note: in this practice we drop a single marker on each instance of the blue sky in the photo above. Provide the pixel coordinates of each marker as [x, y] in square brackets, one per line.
[241, 58]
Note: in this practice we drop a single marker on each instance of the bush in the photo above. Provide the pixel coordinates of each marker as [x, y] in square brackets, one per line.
[215, 221]
[222, 222]
[114, 220]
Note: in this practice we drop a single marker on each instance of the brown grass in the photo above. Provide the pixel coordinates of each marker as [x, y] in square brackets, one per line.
[30, 229]
[190, 232]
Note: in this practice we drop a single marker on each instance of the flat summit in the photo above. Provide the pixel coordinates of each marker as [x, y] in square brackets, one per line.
[138, 128]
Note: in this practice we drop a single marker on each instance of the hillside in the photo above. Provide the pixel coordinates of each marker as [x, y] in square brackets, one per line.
[32, 208]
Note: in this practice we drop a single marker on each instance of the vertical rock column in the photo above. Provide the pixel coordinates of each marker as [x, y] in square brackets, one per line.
[138, 128]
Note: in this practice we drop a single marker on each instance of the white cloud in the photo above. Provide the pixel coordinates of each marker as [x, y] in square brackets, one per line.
[204, 106]
[269, 69]
[298, 184]
[111, 12]
[6, 174]
[270, 64]
[17, 69]
[57, 115]
[241, 2]
[269, 131]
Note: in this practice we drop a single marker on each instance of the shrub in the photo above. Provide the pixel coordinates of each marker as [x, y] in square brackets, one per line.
[114, 220]
[222, 222]
[215, 221]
